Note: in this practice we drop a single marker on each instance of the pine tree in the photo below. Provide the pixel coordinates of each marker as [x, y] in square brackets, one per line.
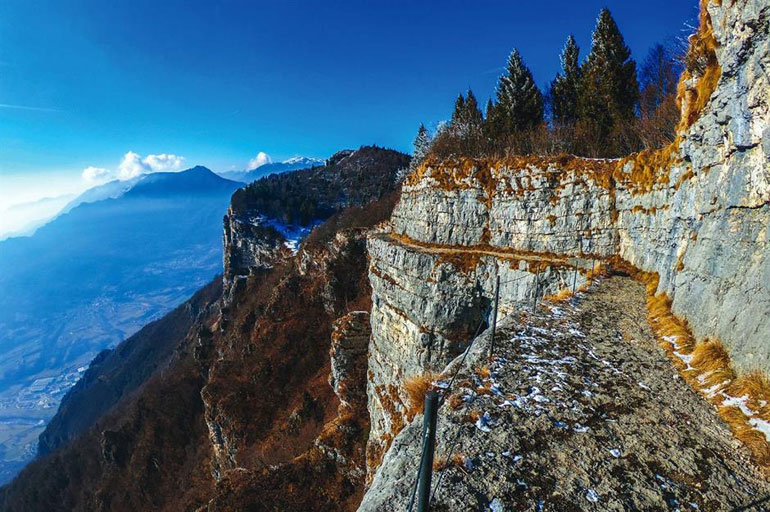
[519, 102]
[421, 143]
[609, 90]
[421, 148]
[467, 117]
[473, 115]
[459, 110]
[566, 85]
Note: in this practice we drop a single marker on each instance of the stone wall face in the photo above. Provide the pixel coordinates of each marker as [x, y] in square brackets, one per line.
[708, 237]
[426, 307]
[248, 246]
[702, 225]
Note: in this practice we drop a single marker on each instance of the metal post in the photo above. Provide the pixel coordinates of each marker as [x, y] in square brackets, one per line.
[494, 316]
[574, 277]
[426, 462]
[537, 285]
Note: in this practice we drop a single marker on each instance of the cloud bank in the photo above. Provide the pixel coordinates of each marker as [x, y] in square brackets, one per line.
[133, 165]
[93, 175]
[261, 159]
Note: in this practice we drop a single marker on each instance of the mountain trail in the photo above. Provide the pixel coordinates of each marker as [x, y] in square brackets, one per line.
[578, 409]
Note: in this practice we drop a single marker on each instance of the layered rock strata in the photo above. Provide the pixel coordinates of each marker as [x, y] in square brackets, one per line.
[695, 213]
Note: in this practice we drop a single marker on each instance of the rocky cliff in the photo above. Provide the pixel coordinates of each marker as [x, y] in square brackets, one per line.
[694, 215]
[268, 217]
[250, 401]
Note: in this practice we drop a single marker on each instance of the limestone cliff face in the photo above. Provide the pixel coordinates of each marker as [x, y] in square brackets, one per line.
[697, 214]
[708, 236]
[249, 246]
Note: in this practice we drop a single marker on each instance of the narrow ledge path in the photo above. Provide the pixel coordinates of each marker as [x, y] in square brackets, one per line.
[579, 409]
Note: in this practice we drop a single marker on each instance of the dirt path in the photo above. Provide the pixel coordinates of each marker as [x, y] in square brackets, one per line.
[502, 254]
[580, 410]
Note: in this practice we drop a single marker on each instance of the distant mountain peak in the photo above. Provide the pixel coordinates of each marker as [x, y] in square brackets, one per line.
[291, 164]
[303, 159]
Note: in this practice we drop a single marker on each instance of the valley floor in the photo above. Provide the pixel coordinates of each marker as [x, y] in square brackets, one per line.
[578, 409]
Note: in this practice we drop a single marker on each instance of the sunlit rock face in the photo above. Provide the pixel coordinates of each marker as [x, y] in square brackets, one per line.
[698, 217]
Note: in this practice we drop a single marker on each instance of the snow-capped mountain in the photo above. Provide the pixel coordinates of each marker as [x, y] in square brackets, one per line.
[291, 164]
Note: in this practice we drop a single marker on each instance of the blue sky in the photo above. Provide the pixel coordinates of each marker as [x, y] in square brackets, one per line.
[84, 82]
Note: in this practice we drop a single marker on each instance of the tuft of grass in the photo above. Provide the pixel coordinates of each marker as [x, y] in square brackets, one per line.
[561, 295]
[711, 361]
[483, 372]
[756, 386]
[416, 387]
[456, 401]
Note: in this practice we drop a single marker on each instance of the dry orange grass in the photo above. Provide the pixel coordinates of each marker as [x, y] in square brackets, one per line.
[456, 401]
[561, 295]
[754, 440]
[702, 64]
[416, 387]
[710, 369]
[756, 386]
[483, 372]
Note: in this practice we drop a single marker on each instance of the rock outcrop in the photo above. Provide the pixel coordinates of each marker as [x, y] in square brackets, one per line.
[695, 213]
[249, 246]
[350, 344]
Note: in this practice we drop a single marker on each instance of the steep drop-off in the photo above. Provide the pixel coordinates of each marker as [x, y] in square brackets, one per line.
[260, 404]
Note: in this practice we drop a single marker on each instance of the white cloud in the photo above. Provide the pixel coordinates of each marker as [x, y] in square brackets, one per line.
[134, 165]
[164, 162]
[261, 159]
[93, 175]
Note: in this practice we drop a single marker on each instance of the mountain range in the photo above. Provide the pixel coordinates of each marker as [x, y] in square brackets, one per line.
[117, 257]
[292, 164]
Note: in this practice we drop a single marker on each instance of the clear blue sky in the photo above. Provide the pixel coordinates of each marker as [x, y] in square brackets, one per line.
[218, 83]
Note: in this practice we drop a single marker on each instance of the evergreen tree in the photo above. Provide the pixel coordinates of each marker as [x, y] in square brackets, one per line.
[609, 90]
[421, 143]
[457, 114]
[473, 116]
[467, 117]
[566, 85]
[519, 102]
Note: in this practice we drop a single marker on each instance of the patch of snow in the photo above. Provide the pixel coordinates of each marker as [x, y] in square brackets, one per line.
[644, 386]
[496, 506]
[580, 428]
[615, 452]
[761, 425]
[485, 423]
[740, 402]
[592, 496]
[686, 358]
[713, 390]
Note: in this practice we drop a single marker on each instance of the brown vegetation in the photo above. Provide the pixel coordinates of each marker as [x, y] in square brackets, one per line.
[706, 366]
[416, 388]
